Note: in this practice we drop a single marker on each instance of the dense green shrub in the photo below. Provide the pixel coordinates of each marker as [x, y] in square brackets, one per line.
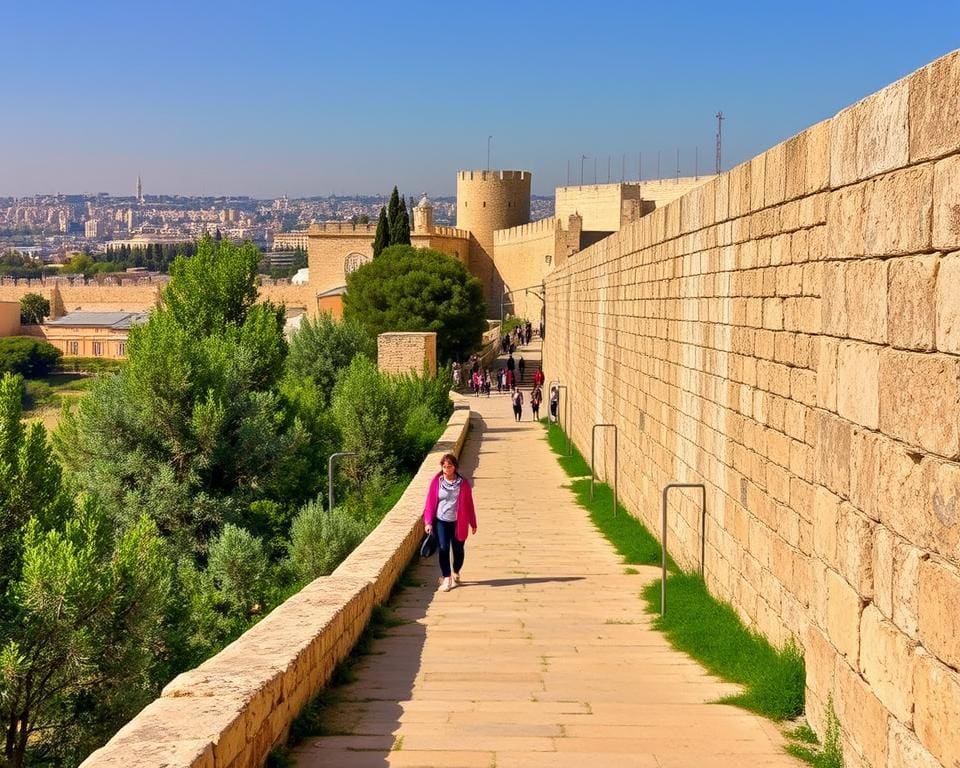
[33, 308]
[93, 365]
[239, 568]
[31, 358]
[321, 348]
[320, 540]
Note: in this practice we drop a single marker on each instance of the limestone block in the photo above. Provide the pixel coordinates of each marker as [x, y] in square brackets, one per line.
[936, 717]
[774, 175]
[946, 203]
[948, 304]
[900, 482]
[817, 175]
[843, 147]
[863, 717]
[773, 314]
[882, 134]
[886, 663]
[757, 182]
[832, 451]
[803, 386]
[826, 515]
[846, 222]
[939, 597]
[843, 616]
[866, 304]
[934, 109]
[858, 383]
[722, 197]
[817, 241]
[795, 166]
[827, 358]
[938, 516]
[920, 400]
[884, 543]
[899, 212]
[855, 534]
[833, 305]
[904, 749]
[911, 302]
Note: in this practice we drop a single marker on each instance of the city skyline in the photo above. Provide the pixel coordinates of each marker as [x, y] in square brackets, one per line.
[267, 102]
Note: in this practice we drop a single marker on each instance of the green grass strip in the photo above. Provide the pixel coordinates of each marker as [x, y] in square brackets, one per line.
[695, 622]
[711, 632]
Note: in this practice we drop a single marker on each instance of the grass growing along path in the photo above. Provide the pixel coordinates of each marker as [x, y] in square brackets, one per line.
[697, 623]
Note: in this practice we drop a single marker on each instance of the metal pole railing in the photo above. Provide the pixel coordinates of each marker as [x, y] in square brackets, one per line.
[616, 461]
[330, 475]
[663, 538]
[566, 415]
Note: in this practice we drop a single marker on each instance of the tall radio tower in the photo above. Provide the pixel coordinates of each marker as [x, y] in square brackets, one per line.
[139, 190]
[719, 139]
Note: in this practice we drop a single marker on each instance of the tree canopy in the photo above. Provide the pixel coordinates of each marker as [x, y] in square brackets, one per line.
[33, 308]
[419, 289]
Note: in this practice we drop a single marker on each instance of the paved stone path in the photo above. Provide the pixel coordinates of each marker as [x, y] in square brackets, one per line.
[543, 657]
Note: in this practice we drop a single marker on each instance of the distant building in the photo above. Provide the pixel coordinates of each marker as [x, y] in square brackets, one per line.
[93, 228]
[139, 191]
[283, 241]
[91, 334]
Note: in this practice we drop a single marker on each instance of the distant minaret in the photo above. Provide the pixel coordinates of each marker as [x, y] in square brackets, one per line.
[139, 191]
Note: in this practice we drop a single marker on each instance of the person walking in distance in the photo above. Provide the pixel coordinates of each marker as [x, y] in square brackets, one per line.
[450, 514]
[554, 403]
[521, 366]
[517, 404]
[535, 397]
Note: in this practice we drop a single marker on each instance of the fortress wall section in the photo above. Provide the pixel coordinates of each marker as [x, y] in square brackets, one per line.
[293, 296]
[488, 201]
[663, 191]
[449, 240]
[521, 258]
[789, 334]
[330, 245]
[91, 295]
[602, 206]
[407, 352]
[9, 318]
[235, 707]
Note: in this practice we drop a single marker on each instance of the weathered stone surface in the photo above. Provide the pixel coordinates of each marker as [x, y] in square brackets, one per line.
[855, 535]
[936, 718]
[904, 749]
[866, 292]
[858, 383]
[946, 203]
[886, 663]
[817, 175]
[913, 387]
[938, 514]
[833, 304]
[883, 136]
[939, 598]
[911, 302]
[826, 515]
[863, 717]
[934, 109]
[843, 147]
[843, 617]
[899, 212]
[948, 304]
[846, 222]
[827, 373]
[832, 451]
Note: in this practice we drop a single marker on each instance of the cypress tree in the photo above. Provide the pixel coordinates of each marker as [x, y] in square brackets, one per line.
[393, 208]
[382, 239]
[400, 231]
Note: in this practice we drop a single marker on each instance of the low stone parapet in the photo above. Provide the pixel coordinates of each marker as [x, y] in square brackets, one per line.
[235, 707]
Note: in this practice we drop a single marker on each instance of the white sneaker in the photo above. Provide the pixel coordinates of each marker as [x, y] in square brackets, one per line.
[445, 586]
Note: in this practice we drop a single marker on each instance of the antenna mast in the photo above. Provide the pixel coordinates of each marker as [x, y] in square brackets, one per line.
[719, 139]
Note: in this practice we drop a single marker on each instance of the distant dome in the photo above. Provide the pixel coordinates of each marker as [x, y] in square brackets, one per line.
[424, 202]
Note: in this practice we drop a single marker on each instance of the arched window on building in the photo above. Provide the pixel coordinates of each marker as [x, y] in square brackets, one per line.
[355, 260]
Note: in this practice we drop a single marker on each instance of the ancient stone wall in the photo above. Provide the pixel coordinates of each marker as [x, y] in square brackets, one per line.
[789, 335]
[9, 318]
[523, 256]
[235, 707]
[407, 352]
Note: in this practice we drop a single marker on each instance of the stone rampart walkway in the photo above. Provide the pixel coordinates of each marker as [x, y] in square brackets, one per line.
[543, 657]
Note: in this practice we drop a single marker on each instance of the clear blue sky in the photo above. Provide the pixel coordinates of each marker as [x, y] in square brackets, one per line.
[306, 98]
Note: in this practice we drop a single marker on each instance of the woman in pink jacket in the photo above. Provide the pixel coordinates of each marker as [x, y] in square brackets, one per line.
[449, 512]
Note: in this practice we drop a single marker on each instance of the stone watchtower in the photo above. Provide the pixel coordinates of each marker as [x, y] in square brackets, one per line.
[423, 216]
[488, 201]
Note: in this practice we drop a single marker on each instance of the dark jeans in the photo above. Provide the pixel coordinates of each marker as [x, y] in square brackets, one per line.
[446, 539]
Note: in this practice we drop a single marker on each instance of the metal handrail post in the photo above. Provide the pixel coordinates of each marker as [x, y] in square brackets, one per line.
[663, 537]
[330, 475]
[616, 461]
[566, 415]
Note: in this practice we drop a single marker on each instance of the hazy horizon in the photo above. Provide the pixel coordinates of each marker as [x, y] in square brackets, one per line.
[224, 100]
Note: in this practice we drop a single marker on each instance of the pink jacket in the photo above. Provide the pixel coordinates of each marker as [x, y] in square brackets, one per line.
[466, 514]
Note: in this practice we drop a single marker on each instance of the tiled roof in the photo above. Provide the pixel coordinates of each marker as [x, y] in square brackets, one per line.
[118, 320]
